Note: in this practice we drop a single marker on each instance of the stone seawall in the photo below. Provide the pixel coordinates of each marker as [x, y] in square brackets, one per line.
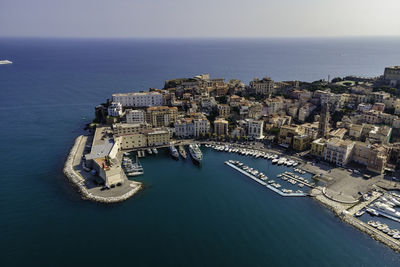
[341, 210]
[78, 181]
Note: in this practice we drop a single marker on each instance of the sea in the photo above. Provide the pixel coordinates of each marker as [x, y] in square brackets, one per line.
[185, 215]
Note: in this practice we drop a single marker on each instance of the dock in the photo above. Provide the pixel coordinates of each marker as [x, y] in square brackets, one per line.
[265, 184]
[290, 176]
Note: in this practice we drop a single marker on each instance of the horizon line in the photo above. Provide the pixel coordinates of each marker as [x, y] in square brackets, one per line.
[200, 37]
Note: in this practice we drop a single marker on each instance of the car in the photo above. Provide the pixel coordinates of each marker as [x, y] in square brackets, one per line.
[113, 185]
[119, 184]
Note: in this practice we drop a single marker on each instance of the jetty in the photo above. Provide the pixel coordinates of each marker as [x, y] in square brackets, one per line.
[294, 194]
[83, 180]
[290, 176]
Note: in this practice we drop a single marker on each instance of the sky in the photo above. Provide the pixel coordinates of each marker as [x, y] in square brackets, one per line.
[198, 19]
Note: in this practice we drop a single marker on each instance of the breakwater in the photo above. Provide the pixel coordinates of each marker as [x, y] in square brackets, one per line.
[77, 179]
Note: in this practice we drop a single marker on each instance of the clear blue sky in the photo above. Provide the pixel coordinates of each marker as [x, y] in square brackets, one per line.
[202, 18]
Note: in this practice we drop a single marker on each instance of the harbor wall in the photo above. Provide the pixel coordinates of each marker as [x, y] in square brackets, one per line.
[79, 182]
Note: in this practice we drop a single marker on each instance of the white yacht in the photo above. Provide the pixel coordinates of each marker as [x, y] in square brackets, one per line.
[195, 152]
[4, 62]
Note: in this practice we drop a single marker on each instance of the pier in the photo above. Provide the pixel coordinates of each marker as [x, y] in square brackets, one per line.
[290, 176]
[265, 184]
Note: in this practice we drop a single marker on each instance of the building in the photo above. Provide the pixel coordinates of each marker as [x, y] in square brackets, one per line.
[125, 128]
[161, 116]
[130, 141]
[255, 129]
[356, 131]
[374, 157]
[223, 110]
[157, 136]
[380, 134]
[264, 86]
[337, 133]
[194, 126]
[103, 158]
[287, 133]
[392, 75]
[305, 111]
[142, 99]
[221, 127]
[338, 151]
[301, 142]
[323, 126]
[115, 109]
[318, 147]
[135, 116]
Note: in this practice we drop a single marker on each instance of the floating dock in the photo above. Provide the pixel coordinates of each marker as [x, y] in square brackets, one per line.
[290, 176]
[265, 184]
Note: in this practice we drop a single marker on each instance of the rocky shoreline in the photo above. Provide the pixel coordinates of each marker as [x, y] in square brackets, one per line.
[79, 182]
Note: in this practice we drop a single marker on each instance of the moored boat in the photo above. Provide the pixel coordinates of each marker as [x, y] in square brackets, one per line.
[195, 152]
[174, 153]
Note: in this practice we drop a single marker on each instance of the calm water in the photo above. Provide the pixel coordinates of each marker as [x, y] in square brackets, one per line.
[208, 216]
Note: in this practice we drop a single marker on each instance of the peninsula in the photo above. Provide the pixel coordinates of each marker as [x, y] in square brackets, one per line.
[344, 131]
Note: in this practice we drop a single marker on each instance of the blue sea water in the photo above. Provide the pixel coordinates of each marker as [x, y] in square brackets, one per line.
[185, 216]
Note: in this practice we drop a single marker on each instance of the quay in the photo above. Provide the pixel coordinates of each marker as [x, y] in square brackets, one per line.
[346, 213]
[265, 184]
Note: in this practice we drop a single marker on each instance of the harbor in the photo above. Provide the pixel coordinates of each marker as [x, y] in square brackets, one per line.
[263, 183]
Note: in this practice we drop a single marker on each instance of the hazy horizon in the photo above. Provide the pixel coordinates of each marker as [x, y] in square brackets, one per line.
[156, 19]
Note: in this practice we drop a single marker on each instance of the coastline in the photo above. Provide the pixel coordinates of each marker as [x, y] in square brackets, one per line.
[346, 213]
[76, 179]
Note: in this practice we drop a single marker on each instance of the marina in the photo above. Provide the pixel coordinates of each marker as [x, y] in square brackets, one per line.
[267, 185]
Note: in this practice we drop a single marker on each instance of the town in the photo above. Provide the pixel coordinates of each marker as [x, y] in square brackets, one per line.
[344, 131]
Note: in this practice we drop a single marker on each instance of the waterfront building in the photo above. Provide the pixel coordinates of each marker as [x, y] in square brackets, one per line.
[392, 75]
[264, 86]
[374, 157]
[221, 127]
[287, 133]
[103, 157]
[323, 126]
[115, 109]
[130, 141]
[318, 147]
[142, 99]
[223, 110]
[135, 116]
[194, 126]
[126, 128]
[301, 142]
[255, 128]
[160, 116]
[338, 151]
[310, 129]
[157, 136]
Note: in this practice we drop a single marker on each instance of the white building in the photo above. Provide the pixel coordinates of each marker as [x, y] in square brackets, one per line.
[146, 99]
[255, 129]
[338, 151]
[135, 116]
[115, 109]
[195, 126]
